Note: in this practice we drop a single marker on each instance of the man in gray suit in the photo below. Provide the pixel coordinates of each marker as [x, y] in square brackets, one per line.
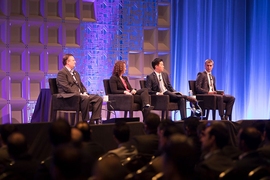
[69, 83]
[206, 84]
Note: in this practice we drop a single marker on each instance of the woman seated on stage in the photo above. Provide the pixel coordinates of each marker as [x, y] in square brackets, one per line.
[119, 85]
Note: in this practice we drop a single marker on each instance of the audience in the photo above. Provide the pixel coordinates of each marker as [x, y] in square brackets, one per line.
[179, 158]
[76, 137]
[202, 151]
[265, 150]
[6, 130]
[213, 139]
[66, 163]
[59, 133]
[249, 139]
[148, 143]
[109, 167]
[190, 126]
[91, 151]
[23, 166]
[121, 135]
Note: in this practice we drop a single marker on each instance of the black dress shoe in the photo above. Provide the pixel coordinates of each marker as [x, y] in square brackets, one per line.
[148, 108]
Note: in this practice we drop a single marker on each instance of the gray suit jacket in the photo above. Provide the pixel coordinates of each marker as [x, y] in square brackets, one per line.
[202, 83]
[67, 86]
[152, 83]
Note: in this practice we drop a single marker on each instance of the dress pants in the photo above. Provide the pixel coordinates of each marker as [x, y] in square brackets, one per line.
[96, 102]
[142, 97]
[181, 100]
[229, 100]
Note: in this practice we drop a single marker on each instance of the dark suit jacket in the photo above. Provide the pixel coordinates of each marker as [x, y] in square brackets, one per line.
[66, 84]
[202, 83]
[211, 167]
[248, 163]
[146, 144]
[116, 85]
[152, 83]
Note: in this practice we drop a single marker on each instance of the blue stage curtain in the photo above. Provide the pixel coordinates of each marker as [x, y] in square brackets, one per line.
[236, 35]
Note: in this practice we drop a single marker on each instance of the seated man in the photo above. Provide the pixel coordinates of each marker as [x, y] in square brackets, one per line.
[69, 83]
[214, 161]
[121, 133]
[158, 83]
[206, 84]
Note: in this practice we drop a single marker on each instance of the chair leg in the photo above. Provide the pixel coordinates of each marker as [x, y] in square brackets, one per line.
[125, 114]
[162, 115]
[207, 114]
[213, 114]
[131, 114]
[108, 115]
[167, 114]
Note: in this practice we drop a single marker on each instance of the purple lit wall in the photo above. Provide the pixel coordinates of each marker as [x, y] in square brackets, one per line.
[34, 35]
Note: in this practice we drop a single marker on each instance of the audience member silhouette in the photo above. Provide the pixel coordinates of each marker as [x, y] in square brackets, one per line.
[66, 163]
[179, 158]
[265, 150]
[213, 139]
[59, 133]
[76, 137]
[6, 130]
[121, 135]
[190, 126]
[249, 139]
[148, 143]
[109, 167]
[23, 166]
[91, 151]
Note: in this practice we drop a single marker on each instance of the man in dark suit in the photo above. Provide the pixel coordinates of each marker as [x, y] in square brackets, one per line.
[249, 139]
[213, 139]
[148, 143]
[206, 84]
[69, 83]
[158, 83]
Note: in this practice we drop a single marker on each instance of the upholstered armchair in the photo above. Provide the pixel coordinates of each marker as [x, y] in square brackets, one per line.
[206, 101]
[70, 105]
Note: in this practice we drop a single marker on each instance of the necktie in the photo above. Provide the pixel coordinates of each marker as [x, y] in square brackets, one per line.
[73, 75]
[211, 83]
[161, 84]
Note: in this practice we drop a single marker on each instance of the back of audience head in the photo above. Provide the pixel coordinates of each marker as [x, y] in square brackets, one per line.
[121, 132]
[6, 130]
[260, 126]
[17, 145]
[76, 137]
[109, 168]
[86, 130]
[166, 129]
[66, 162]
[179, 161]
[191, 125]
[249, 139]
[215, 136]
[60, 132]
[151, 123]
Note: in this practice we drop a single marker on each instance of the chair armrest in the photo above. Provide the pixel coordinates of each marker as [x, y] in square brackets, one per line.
[120, 102]
[69, 104]
[160, 102]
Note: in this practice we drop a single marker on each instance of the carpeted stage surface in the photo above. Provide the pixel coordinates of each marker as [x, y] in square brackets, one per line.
[39, 145]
